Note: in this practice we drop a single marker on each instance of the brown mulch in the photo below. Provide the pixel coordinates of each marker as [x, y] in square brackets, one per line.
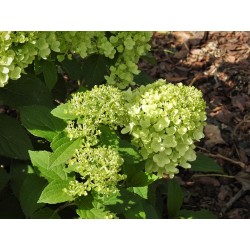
[217, 63]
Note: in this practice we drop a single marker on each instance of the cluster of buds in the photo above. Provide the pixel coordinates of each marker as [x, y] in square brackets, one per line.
[99, 171]
[98, 166]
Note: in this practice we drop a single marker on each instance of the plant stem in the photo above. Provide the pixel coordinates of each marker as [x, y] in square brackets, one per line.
[68, 204]
[217, 175]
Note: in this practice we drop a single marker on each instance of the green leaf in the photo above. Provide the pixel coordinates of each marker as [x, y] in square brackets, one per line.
[93, 213]
[29, 194]
[64, 152]
[143, 78]
[141, 179]
[133, 206]
[53, 193]
[141, 210]
[72, 68]
[108, 136]
[59, 91]
[89, 208]
[18, 173]
[61, 112]
[4, 178]
[10, 208]
[157, 193]
[45, 213]
[111, 199]
[142, 191]
[136, 212]
[38, 67]
[94, 68]
[149, 57]
[14, 142]
[40, 159]
[27, 90]
[204, 163]
[202, 214]
[132, 158]
[49, 73]
[59, 140]
[129, 153]
[39, 121]
[174, 198]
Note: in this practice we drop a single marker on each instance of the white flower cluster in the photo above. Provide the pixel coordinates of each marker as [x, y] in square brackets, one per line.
[98, 166]
[165, 120]
[18, 50]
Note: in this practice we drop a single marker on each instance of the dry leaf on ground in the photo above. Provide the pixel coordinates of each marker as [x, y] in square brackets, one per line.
[213, 134]
[244, 179]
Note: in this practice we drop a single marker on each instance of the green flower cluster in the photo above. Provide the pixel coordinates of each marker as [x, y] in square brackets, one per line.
[130, 46]
[165, 120]
[98, 166]
[16, 52]
[103, 104]
[19, 49]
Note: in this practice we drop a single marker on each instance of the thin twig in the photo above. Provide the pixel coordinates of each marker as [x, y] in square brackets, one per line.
[195, 79]
[246, 119]
[233, 199]
[68, 204]
[241, 164]
[216, 175]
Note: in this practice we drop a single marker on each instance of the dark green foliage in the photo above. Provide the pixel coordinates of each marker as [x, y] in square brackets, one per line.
[4, 178]
[94, 68]
[18, 172]
[205, 164]
[45, 125]
[49, 73]
[202, 214]
[14, 141]
[174, 198]
[10, 208]
[143, 79]
[30, 192]
[28, 90]
[72, 68]
[45, 213]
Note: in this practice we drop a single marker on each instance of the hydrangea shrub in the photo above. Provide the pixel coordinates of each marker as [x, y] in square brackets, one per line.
[101, 148]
